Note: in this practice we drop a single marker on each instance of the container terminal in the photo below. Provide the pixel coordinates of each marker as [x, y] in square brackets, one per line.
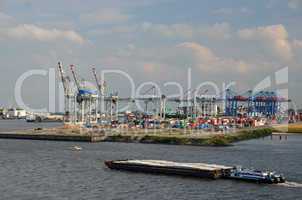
[97, 106]
[94, 114]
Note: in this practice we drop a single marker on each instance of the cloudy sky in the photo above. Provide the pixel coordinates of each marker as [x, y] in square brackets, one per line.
[152, 40]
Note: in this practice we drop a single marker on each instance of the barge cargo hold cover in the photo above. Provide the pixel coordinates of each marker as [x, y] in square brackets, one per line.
[202, 170]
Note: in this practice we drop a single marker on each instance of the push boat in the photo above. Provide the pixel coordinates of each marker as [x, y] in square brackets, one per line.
[199, 170]
[258, 176]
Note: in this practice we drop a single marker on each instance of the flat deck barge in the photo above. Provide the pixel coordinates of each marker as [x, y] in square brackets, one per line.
[201, 170]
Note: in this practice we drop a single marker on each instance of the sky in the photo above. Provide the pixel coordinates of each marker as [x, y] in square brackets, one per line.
[152, 40]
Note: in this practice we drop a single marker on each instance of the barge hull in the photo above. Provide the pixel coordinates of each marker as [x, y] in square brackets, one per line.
[265, 181]
[167, 170]
[198, 170]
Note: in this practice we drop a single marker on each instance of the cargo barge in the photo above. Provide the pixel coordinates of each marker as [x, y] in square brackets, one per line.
[199, 170]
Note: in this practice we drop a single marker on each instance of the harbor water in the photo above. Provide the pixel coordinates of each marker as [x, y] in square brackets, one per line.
[52, 170]
[11, 125]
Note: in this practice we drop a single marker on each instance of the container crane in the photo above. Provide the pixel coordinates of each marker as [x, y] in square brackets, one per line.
[98, 83]
[87, 100]
[146, 101]
[101, 86]
[75, 78]
[79, 98]
[67, 96]
[101, 89]
[64, 78]
[77, 83]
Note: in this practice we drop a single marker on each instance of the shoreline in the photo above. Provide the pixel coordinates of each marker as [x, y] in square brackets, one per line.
[161, 136]
[295, 128]
[214, 139]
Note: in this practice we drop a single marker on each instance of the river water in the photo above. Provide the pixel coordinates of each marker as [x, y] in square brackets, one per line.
[51, 170]
[11, 125]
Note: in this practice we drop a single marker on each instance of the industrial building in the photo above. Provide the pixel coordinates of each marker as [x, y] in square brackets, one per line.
[15, 113]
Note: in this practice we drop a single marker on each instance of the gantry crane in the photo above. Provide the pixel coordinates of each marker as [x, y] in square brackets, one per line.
[76, 81]
[146, 101]
[63, 77]
[101, 89]
[98, 83]
[87, 100]
[67, 93]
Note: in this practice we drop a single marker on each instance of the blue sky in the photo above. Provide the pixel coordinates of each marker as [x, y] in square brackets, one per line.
[156, 40]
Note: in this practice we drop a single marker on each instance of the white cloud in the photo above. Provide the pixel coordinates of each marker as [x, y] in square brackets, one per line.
[294, 4]
[104, 16]
[33, 32]
[233, 11]
[274, 37]
[203, 53]
[218, 31]
[205, 59]
[120, 29]
[187, 31]
[174, 30]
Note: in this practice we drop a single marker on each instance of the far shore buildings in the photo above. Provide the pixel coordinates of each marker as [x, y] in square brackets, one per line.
[16, 113]
[19, 113]
[12, 113]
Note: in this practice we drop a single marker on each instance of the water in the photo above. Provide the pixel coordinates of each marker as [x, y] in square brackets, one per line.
[50, 170]
[11, 125]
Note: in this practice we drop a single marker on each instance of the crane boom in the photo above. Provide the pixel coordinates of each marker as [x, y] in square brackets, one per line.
[189, 91]
[75, 77]
[98, 83]
[151, 88]
[63, 77]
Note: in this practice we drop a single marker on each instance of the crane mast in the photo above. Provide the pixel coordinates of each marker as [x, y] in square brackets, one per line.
[67, 95]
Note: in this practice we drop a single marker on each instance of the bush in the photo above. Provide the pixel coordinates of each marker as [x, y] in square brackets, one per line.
[217, 140]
